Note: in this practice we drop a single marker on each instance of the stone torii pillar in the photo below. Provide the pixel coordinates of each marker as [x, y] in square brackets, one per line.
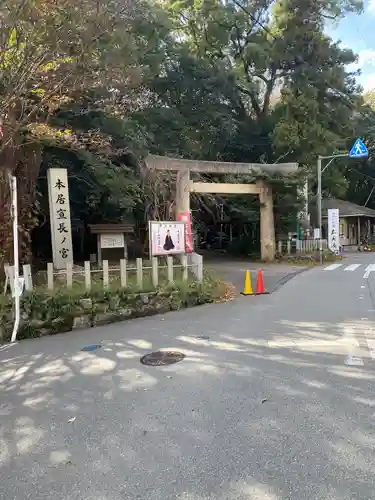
[183, 191]
[267, 222]
[184, 186]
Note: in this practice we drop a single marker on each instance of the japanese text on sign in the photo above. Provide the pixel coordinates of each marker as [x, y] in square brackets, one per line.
[61, 232]
[334, 230]
[112, 240]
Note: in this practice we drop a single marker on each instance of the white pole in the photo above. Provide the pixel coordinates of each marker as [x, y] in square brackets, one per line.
[306, 192]
[319, 169]
[16, 287]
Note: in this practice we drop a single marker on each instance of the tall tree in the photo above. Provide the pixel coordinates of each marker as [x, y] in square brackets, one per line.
[53, 52]
[261, 82]
[318, 96]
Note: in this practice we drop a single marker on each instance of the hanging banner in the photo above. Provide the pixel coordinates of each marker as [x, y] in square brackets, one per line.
[334, 230]
[186, 218]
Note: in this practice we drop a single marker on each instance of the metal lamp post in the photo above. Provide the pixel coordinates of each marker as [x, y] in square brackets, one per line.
[358, 150]
[320, 171]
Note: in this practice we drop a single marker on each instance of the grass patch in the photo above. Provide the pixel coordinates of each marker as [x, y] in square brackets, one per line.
[47, 312]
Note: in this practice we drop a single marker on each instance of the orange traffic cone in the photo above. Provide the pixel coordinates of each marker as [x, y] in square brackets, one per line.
[260, 284]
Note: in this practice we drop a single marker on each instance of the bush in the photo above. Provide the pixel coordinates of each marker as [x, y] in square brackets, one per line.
[309, 258]
[65, 310]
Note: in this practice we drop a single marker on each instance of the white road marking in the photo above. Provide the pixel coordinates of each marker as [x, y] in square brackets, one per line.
[352, 267]
[369, 269]
[301, 344]
[354, 361]
[352, 348]
[332, 267]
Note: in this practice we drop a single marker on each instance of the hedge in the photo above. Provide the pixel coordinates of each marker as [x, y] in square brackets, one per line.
[65, 310]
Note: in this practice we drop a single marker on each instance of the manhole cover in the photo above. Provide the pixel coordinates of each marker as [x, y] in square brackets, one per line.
[162, 358]
[91, 347]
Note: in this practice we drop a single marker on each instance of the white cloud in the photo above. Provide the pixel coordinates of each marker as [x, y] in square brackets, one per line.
[366, 56]
[371, 6]
[368, 82]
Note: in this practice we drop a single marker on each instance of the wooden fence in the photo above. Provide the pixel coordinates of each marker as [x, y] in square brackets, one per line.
[300, 246]
[156, 271]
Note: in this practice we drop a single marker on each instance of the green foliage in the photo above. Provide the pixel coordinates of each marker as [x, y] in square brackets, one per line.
[359, 174]
[309, 259]
[241, 81]
[369, 99]
[51, 313]
[246, 83]
[105, 181]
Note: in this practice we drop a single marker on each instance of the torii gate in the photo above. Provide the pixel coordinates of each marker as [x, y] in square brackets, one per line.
[261, 188]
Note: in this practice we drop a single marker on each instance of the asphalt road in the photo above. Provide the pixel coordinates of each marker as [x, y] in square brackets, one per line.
[233, 271]
[278, 403]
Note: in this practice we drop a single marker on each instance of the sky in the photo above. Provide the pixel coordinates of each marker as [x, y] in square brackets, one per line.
[356, 32]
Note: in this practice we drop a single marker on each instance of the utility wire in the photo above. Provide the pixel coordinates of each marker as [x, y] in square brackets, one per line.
[361, 173]
[256, 21]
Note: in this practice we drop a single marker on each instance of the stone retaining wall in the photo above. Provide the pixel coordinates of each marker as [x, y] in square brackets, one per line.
[48, 314]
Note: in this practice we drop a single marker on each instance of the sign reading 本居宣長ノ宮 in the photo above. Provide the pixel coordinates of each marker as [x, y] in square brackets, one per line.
[334, 230]
[59, 208]
[167, 238]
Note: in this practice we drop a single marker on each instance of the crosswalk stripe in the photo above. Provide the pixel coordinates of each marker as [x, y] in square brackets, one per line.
[369, 269]
[352, 267]
[332, 267]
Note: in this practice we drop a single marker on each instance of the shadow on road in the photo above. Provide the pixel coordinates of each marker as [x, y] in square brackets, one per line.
[244, 416]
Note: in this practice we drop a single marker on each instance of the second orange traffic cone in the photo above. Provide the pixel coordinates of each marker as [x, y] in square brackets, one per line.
[260, 284]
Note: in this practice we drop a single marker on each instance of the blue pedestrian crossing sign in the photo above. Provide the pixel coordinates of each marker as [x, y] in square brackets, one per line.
[359, 149]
